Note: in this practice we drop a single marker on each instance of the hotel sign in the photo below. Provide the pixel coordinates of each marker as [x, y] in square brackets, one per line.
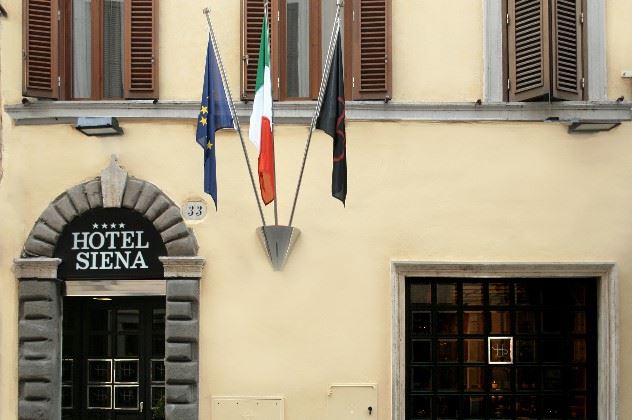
[110, 244]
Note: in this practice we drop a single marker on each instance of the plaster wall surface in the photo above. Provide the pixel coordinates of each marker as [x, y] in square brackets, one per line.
[520, 192]
[421, 191]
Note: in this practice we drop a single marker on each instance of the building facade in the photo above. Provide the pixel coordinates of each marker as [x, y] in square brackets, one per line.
[478, 269]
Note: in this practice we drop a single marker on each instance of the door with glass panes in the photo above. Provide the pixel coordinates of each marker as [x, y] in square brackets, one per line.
[113, 358]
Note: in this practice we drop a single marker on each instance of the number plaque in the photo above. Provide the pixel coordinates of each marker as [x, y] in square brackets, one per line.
[194, 210]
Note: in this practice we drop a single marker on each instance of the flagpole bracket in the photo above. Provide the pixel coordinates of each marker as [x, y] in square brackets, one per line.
[278, 242]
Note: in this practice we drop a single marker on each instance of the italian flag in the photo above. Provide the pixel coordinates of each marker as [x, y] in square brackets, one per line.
[261, 119]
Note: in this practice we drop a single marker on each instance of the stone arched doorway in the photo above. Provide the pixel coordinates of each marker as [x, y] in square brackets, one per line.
[41, 291]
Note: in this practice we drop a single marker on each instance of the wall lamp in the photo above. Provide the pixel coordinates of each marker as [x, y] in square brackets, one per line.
[99, 126]
[592, 126]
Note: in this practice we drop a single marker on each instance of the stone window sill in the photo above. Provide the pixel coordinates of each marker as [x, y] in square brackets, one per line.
[67, 112]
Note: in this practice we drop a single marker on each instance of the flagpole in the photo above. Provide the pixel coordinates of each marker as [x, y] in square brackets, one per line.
[334, 32]
[276, 197]
[231, 106]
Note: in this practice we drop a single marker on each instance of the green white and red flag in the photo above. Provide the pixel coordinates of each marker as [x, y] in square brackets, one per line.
[261, 119]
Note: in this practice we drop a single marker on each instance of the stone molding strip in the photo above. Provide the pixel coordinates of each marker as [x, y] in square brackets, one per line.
[300, 112]
[36, 268]
[183, 267]
[114, 188]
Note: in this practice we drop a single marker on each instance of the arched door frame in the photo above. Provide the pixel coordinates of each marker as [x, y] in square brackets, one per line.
[41, 294]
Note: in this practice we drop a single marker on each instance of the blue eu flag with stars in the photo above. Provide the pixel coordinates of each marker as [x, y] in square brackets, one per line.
[214, 115]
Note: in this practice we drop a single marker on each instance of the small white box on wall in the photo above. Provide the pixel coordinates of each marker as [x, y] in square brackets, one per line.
[352, 402]
[247, 408]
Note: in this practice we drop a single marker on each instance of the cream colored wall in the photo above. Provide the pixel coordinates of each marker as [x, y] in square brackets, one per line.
[619, 43]
[423, 191]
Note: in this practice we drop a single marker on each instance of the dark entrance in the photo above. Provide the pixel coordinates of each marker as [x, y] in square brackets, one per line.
[113, 358]
[522, 349]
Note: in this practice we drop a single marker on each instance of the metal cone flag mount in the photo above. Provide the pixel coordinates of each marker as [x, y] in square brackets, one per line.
[277, 243]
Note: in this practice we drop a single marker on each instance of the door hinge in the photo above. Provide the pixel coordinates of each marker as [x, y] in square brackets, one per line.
[59, 15]
[59, 81]
[508, 84]
[508, 20]
[278, 16]
[581, 17]
[353, 15]
[353, 82]
[583, 83]
[24, 55]
[278, 82]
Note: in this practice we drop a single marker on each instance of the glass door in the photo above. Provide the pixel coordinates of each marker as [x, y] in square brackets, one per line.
[113, 358]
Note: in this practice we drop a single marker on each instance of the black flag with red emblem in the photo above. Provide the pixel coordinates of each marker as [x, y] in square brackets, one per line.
[332, 121]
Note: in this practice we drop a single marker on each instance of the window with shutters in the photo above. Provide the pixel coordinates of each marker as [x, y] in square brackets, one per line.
[91, 49]
[545, 50]
[300, 31]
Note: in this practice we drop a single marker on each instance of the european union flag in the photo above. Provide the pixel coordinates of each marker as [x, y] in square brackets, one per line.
[214, 115]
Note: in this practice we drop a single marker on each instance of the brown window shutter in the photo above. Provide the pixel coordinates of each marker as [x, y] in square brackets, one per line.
[252, 16]
[371, 62]
[141, 49]
[41, 42]
[567, 50]
[528, 49]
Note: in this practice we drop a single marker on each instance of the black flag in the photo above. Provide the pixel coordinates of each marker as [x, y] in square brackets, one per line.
[332, 121]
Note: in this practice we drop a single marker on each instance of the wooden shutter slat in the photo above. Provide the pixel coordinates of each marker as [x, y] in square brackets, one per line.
[252, 16]
[41, 61]
[141, 49]
[528, 49]
[567, 49]
[371, 63]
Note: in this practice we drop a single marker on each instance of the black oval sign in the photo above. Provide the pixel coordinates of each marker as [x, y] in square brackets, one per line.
[112, 243]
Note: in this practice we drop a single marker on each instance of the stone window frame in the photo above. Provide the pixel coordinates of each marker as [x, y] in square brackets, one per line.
[607, 317]
[596, 67]
[41, 294]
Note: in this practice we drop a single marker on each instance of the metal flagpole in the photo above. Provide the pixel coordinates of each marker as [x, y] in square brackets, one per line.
[231, 106]
[276, 197]
[321, 93]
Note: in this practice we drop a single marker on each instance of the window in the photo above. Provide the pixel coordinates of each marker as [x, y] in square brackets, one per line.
[300, 33]
[91, 49]
[507, 349]
[545, 50]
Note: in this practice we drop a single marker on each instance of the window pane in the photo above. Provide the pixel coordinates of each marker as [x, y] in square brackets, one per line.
[527, 293]
[474, 379]
[447, 379]
[447, 351]
[552, 379]
[501, 322]
[525, 322]
[297, 42]
[421, 323]
[501, 379]
[446, 293]
[422, 351]
[527, 408]
[474, 351]
[527, 378]
[499, 294]
[446, 323]
[578, 378]
[421, 293]
[113, 48]
[128, 319]
[500, 407]
[421, 407]
[422, 379]
[474, 408]
[552, 407]
[127, 346]
[473, 322]
[448, 407]
[579, 323]
[578, 408]
[472, 293]
[81, 48]
[525, 351]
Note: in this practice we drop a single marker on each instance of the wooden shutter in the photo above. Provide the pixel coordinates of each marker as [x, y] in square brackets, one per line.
[371, 62]
[567, 50]
[252, 16]
[40, 54]
[528, 49]
[141, 49]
